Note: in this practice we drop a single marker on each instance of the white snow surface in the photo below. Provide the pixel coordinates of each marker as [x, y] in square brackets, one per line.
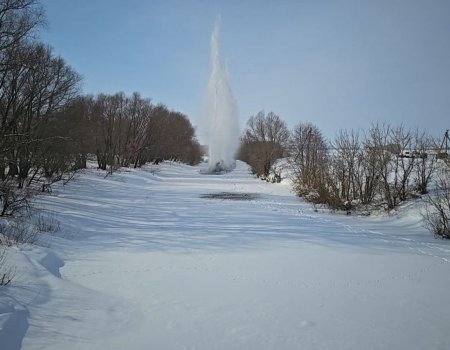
[142, 261]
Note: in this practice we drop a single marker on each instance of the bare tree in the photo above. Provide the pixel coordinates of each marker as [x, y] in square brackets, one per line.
[138, 113]
[170, 135]
[347, 165]
[75, 124]
[358, 167]
[264, 141]
[131, 131]
[48, 87]
[393, 164]
[18, 18]
[108, 116]
[308, 158]
[34, 84]
[425, 166]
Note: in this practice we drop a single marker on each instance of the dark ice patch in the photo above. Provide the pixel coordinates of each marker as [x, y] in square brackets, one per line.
[233, 196]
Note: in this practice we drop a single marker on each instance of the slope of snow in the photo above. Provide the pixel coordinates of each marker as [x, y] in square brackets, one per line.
[144, 262]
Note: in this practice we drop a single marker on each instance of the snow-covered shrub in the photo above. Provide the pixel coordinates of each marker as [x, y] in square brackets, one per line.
[277, 172]
[46, 223]
[17, 232]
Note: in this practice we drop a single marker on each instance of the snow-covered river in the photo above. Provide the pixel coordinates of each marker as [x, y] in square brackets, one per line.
[146, 260]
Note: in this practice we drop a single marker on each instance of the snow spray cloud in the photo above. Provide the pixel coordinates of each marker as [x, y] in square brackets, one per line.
[222, 115]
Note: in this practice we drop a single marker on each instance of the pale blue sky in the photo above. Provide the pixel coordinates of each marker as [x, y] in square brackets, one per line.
[336, 63]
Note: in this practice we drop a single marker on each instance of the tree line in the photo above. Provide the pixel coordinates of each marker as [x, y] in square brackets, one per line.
[48, 129]
[379, 168]
[121, 131]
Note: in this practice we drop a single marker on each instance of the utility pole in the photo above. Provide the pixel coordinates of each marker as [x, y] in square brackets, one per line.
[443, 151]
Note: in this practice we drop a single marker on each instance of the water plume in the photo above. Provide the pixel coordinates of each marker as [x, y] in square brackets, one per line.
[222, 115]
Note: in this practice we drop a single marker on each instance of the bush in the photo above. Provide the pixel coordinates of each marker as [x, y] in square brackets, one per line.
[17, 232]
[437, 209]
[12, 199]
[46, 223]
[263, 142]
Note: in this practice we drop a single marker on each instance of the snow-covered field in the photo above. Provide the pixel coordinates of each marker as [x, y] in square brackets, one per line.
[144, 261]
